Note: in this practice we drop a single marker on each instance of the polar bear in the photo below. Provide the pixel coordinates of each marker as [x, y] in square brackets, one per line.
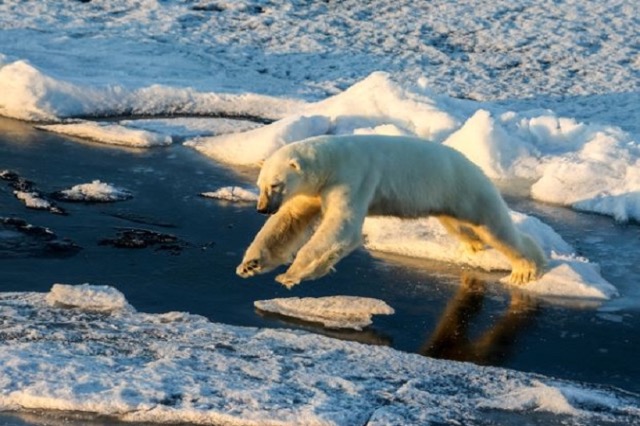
[318, 192]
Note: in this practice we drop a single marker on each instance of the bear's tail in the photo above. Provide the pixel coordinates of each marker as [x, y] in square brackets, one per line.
[533, 252]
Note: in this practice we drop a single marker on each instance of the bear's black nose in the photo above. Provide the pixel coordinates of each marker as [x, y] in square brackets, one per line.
[263, 210]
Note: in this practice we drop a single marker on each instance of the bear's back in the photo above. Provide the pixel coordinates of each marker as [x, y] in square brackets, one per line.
[410, 177]
[387, 153]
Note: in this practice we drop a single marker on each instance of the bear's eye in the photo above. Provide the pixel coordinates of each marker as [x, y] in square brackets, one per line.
[276, 186]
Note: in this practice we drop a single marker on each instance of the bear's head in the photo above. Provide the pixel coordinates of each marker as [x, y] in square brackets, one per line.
[280, 178]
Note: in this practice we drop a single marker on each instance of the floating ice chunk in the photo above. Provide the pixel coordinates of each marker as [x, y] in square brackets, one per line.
[25, 191]
[95, 191]
[88, 297]
[233, 194]
[32, 200]
[332, 311]
[110, 133]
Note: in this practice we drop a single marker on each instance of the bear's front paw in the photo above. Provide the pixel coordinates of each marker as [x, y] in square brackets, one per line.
[287, 280]
[249, 268]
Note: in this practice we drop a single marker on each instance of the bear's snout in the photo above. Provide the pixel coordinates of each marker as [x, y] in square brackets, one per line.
[263, 205]
[266, 209]
[269, 204]
[263, 210]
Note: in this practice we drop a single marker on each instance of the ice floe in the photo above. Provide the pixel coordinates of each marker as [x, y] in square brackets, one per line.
[59, 352]
[233, 194]
[109, 133]
[568, 274]
[95, 191]
[331, 311]
[87, 297]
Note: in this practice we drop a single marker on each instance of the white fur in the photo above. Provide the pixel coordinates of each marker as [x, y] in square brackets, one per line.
[330, 184]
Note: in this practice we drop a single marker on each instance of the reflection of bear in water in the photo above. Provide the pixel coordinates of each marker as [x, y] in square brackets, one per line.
[334, 182]
[451, 340]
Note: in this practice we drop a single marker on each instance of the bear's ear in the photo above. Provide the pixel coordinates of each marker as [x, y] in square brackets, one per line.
[294, 163]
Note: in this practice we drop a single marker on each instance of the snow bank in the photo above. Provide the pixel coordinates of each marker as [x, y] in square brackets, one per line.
[29, 94]
[181, 368]
[568, 275]
[233, 194]
[590, 167]
[331, 311]
[95, 191]
[249, 148]
[374, 105]
[378, 100]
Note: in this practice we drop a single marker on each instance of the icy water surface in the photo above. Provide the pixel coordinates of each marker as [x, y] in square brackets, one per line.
[188, 265]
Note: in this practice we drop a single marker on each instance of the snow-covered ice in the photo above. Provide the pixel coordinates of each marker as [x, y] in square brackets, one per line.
[109, 133]
[251, 147]
[331, 311]
[483, 51]
[568, 275]
[233, 194]
[32, 200]
[60, 353]
[27, 93]
[589, 165]
[543, 95]
[95, 191]
[87, 297]
[191, 127]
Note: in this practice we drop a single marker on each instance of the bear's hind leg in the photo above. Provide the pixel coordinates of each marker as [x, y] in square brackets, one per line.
[469, 241]
[280, 237]
[526, 258]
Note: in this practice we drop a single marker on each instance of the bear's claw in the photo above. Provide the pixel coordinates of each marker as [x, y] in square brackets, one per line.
[249, 268]
[287, 280]
[520, 277]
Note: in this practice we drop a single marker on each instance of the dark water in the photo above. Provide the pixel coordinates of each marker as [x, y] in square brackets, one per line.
[441, 310]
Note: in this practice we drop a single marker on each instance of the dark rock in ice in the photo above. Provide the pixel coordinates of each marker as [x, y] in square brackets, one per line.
[16, 181]
[143, 238]
[18, 238]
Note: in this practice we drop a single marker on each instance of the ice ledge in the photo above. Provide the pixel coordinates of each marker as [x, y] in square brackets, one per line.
[178, 367]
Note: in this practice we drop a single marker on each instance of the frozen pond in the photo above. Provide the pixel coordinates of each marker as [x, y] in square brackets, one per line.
[441, 311]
